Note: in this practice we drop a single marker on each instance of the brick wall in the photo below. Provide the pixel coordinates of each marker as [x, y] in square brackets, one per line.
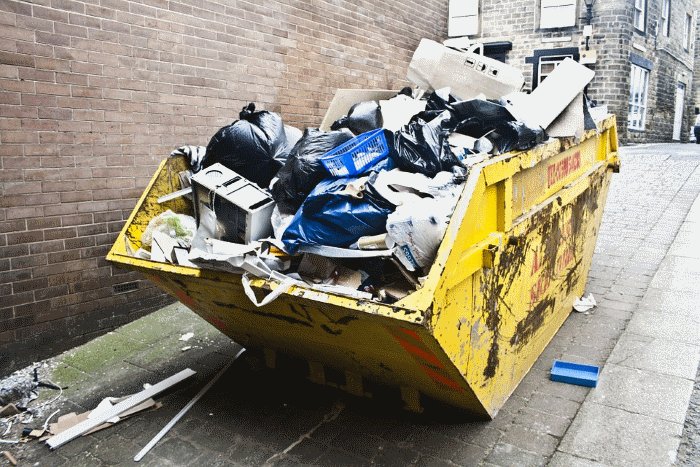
[93, 94]
[614, 39]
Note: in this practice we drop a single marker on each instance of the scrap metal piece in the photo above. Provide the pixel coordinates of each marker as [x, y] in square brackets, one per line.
[184, 410]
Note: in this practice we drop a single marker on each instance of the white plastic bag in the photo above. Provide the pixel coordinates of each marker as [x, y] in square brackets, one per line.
[417, 229]
[178, 226]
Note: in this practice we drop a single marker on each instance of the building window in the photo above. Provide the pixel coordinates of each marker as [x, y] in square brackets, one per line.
[547, 65]
[463, 18]
[639, 82]
[544, 61]
[557, 13]
[666, 18]
[640, 12]
[687, 36]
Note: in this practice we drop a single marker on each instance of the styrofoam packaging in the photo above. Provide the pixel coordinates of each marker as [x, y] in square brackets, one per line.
[467, 74]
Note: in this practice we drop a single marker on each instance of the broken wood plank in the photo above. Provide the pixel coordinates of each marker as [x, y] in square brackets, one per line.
[87, 425]
[10, 458]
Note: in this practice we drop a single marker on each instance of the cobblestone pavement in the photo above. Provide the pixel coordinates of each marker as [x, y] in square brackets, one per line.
[253, 416]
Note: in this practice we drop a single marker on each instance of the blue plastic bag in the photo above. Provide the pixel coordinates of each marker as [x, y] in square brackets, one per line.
[331, 217]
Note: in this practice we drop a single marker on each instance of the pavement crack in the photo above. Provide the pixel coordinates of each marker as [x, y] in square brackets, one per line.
[336, 410]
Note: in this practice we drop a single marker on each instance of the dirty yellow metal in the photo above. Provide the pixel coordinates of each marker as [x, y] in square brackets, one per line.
[515, 256]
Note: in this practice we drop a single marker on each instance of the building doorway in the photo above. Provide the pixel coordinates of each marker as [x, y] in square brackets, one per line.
[678, 116]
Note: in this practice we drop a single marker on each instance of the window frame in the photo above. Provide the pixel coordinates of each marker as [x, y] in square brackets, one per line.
[641, 13]
[687, 31]
[639, 81]
[450, 16]
[571, 3]
[539, 53]
[666, 18]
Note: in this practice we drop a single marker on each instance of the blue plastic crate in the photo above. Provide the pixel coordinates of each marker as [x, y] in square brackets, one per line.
[574, 373]
[356, 155]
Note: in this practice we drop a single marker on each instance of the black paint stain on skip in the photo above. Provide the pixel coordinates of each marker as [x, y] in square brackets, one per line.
[286, 319]
[497, 284]
[534, 320]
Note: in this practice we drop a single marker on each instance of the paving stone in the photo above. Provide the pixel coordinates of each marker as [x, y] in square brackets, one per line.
[565, 391]
[507, 455]
[436, 444]
[548, 403]
[469, 454]
[362, 445]
[307, 453]
[544, 422]
[394, 454]
[431, 461]
[678, 328]
[688, 250]
[657, 355]
[484, 436]
[176, 450]
[115, 450]
[675, 279]
[250, 451]
[562, 459]
[684, 303]
[643, 392]
[101, 352]
[617, 437]
[338, 457]
[530, 440]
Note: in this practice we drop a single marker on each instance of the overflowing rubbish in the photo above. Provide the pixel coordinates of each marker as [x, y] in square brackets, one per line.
[468, 73]
[304, 169]
[359, 206]
[194, 155]
[21, 405]
[179, 227]
[552, 96]
[361, 118]
[253, 146]
[574, 373]
[230, 207]
[337, 213]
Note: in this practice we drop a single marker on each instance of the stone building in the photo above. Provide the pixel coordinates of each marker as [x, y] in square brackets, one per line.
[95, 93]
[641, 50]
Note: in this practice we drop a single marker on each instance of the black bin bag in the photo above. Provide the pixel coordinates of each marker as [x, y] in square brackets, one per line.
[303, 169]
[422, 147]
[250, 146]
[362, 117]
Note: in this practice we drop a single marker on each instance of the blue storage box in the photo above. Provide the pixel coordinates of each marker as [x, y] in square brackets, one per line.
[574, 373]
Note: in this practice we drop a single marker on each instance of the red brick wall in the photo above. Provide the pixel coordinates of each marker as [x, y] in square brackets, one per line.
[94, 94]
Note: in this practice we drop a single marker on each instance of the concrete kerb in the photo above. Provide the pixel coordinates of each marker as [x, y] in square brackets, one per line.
[636, 414]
